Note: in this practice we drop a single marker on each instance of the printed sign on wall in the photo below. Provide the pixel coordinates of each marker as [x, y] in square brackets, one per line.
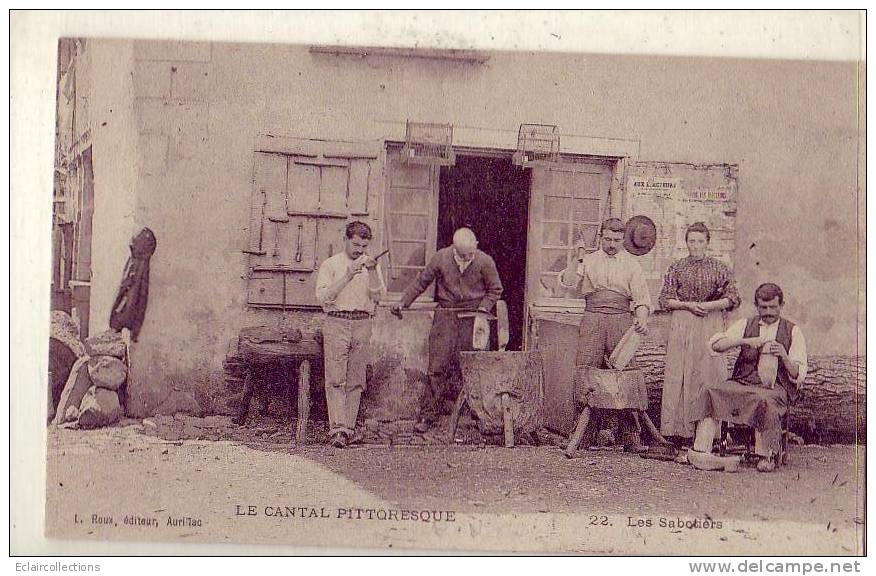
[675, 196]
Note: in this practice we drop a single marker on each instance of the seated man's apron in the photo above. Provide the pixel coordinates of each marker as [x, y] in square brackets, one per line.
[744, 399]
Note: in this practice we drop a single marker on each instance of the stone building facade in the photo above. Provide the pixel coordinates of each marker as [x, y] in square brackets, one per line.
[247, 160]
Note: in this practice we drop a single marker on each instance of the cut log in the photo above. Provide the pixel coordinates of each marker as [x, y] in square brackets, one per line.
[77, 385]
[107, 343]
[100, 407]
[832, 404]
[64, 329]
[61, 361]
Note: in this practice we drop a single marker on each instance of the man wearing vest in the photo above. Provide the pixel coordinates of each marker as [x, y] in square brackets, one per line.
[465, 279]
[771, 365]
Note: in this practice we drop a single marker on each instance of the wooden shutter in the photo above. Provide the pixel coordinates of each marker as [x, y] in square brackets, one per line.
[304, 193]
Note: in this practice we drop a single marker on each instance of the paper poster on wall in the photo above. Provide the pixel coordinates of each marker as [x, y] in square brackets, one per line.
[681, 195]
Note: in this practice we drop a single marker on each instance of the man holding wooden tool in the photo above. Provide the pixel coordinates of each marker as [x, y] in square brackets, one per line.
[613, 285]
[348, 287]
[771, 365]
[467, 287]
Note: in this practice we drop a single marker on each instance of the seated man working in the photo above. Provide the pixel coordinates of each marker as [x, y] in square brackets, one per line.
[770, 366]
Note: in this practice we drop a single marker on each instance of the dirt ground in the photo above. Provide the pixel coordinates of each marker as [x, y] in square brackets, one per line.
[207, 467]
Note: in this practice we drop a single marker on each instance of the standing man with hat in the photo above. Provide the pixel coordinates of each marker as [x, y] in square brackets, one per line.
[348, 286]
[617, 297]
[465, 279]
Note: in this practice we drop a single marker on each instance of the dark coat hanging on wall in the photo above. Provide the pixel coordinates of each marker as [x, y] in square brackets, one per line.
[129, 308]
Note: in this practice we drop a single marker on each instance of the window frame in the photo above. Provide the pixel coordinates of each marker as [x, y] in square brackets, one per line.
[565, 299]
[393, 156]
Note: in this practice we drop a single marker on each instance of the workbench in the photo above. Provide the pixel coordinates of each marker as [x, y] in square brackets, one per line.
[262, 349]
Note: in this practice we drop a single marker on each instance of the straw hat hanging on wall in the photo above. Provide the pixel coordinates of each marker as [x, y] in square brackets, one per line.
[640, 235]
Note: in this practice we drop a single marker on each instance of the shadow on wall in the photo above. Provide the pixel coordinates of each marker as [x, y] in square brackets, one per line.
[397, 377]
[153, 389]
[399, 371]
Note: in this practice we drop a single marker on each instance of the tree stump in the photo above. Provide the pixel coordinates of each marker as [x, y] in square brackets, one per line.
[502, 387]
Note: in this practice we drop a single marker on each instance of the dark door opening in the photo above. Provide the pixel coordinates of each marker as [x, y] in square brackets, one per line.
[490, 196]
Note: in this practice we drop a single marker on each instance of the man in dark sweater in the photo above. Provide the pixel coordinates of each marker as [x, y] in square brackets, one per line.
[465, 279]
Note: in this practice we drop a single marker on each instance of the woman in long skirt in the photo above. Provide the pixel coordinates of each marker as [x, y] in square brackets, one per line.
[698, 290]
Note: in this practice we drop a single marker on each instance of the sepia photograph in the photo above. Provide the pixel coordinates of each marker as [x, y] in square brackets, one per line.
[423, 297]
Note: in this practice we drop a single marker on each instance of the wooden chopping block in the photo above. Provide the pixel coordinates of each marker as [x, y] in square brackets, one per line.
[610, 389]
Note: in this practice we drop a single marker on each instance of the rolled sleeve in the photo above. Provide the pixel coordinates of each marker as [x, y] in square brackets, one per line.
[423, 280]
[797, 355]
[735, 331]
[324, 279]
[728, 290]
[639, 289]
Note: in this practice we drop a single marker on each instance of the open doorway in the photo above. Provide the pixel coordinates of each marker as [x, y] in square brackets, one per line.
[491, 196]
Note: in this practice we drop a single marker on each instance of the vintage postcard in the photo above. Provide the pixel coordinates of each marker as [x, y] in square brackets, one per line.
[438, 298]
